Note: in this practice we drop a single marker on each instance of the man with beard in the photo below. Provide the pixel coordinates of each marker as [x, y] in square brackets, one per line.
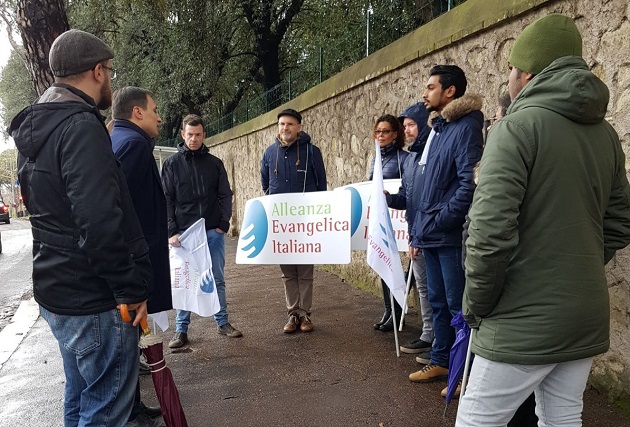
[292, 164]
[414, 121]
[89, 254]
[551, 208]
[446, 189]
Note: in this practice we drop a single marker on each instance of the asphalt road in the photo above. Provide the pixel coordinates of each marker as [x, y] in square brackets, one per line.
[15, 267]
[342, 374]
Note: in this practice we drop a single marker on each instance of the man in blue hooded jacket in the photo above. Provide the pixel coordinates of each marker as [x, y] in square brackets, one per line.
[292, 164]
[414, 121]
[446, 190]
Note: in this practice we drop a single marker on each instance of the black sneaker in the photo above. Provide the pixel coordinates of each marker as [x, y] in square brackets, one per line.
[415, 347]
[424, 358]
[180, 339]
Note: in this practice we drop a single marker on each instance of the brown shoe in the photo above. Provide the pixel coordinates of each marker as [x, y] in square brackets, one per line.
[292, 324]
[429, 374]
[458, 390]
[305, 324]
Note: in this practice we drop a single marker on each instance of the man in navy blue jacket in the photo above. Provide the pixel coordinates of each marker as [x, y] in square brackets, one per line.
[136, 123]
[446, 189]
[293, 165]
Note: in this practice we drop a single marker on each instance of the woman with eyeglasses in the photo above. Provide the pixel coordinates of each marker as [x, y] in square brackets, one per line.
[391, 139]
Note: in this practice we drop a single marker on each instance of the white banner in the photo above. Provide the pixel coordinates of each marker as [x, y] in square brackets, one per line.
[296, 228]
[382, 254]
[361, 193]
[192, 283]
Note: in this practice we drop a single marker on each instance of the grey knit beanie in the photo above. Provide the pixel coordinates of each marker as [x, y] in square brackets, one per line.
[76, 51]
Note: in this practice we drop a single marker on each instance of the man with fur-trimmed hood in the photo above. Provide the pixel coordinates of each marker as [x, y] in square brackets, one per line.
[453, 148]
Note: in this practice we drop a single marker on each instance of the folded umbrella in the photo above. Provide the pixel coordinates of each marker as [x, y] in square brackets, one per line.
[457, 356]
[165, 389]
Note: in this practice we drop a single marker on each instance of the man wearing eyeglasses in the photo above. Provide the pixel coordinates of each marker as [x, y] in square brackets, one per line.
[89, 253]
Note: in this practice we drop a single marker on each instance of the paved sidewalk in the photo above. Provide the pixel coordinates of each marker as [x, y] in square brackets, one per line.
[342, 374]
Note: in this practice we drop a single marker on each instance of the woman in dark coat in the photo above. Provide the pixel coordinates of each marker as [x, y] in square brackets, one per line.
[391, 140]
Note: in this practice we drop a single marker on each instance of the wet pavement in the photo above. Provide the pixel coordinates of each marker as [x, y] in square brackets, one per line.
[342, 374]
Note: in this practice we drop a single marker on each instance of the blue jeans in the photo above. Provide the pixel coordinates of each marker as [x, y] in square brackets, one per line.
[216, 244]
[445, 282]
[100, 359]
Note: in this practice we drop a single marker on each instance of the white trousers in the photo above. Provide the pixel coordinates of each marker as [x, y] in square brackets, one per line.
[495, 390]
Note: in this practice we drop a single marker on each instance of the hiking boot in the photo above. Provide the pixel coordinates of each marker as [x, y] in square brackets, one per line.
[229, 330]
[429, 374]
[416, 346]
[305, 324]
[458, 390]
[292, 324]
[424, 358]
[179, 340]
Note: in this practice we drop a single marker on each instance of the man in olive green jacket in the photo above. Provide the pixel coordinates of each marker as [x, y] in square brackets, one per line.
[551, 208]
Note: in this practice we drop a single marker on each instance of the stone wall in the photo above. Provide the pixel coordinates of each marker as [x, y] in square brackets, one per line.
[477, 36]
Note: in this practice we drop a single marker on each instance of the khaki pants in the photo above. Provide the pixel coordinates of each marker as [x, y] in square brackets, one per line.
[298, 288]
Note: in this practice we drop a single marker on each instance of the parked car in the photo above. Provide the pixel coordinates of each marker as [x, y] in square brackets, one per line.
[4, 212]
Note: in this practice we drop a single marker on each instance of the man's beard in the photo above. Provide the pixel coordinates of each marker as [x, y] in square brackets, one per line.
[106, 97]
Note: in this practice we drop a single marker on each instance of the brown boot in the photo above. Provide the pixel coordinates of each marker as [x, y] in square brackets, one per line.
[292, 324]
[305, 324]
[429, 374]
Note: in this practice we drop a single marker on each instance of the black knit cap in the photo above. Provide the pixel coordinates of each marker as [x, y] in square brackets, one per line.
[291, 112]
[76, 51]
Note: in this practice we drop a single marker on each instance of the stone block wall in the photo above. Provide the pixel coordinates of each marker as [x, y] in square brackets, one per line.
[477, 36]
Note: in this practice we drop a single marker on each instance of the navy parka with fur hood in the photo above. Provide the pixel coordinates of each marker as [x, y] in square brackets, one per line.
[448, 187]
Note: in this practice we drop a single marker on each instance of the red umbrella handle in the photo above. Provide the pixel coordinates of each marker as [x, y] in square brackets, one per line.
[126, 317]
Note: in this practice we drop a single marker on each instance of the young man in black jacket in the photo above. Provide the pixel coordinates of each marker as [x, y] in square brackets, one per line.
[196, 186]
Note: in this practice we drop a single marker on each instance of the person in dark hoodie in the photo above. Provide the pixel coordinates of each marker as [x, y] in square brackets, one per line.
[136, 123]
[551, 208]
[196, 186]
[446, 189]
[89, 254]
[414, 120]
[292, 164]
[391, 139]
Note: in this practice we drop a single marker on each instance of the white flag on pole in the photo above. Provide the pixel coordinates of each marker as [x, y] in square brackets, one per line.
[382, 250]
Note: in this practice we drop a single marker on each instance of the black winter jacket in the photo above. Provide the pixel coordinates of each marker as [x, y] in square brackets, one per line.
[296, 168]
[89, 253]
[196, 186]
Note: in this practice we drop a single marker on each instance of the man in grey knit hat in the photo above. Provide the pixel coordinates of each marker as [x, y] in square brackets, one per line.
[89, 253]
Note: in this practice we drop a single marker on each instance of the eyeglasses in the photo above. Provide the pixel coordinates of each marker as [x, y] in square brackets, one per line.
[383, 132]
[112, 71]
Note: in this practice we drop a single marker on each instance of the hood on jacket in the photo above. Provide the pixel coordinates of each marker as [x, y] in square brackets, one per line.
[303, 138]
[568, 88]
[33, 125]
[419, 114]
[458, 108]
[188, 153]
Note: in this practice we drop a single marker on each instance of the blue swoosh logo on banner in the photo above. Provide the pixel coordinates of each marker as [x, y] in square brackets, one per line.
[356, 209]
[257, 227]
[207, 282]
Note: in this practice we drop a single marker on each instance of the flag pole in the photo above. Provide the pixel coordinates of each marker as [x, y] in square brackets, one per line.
[391, 298]
[407, 290]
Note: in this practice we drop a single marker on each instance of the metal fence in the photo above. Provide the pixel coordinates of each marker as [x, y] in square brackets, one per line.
[321, 64]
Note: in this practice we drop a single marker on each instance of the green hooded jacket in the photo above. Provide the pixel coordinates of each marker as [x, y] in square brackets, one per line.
[551, 208]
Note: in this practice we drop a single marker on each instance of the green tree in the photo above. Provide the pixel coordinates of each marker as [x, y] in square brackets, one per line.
[16, 89]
